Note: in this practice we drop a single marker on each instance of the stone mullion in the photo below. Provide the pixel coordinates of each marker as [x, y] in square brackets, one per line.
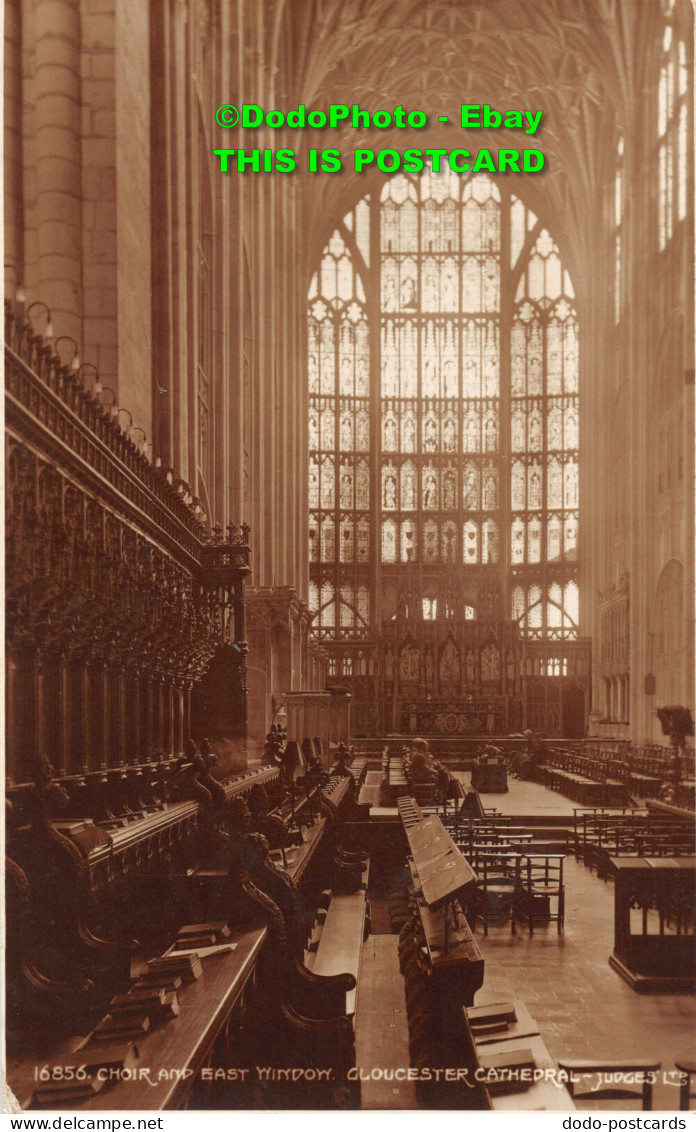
[337, 474]
[374, 454]
[505, 402]
[639, 351]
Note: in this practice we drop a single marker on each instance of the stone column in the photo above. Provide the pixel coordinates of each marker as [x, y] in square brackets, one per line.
[14, 187]
[58, 279]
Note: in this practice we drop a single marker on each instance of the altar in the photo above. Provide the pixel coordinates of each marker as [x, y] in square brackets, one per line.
[482, 715]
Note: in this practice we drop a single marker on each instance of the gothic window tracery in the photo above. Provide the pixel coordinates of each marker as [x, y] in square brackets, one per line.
[407, 395]
[339, 440]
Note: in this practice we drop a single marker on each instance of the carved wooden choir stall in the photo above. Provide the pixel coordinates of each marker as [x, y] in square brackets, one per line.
[126, 637]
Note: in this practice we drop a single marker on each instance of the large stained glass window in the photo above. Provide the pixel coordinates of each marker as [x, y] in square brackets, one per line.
[443, 420]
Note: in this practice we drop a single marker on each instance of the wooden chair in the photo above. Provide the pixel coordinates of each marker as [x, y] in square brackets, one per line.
[614, 1090]
[685, 1062]
[497, 891]
[541, 892]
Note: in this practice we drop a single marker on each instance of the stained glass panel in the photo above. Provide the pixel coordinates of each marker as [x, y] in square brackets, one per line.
[430, 541]
[471, 543]
[346, 545]
[388, 541]
[363, 605]
[449, 543]
[363, 540]
[489, 548]
[409, 548]
[389, 489]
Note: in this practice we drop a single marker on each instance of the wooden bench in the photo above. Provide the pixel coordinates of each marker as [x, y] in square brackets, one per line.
[646, 785]
[341, 940]
[394, 783]
[568, 778]
[588, 775]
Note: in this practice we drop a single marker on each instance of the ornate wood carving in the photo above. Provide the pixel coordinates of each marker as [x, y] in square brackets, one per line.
[116, 594]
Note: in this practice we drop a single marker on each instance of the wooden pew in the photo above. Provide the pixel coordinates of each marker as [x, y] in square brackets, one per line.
[341, 942]
[82, 885]
[438, 956]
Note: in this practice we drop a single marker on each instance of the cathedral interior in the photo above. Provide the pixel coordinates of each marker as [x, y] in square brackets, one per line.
[349, 554]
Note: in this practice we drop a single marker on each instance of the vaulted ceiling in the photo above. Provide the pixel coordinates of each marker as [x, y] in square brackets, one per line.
[584, 63]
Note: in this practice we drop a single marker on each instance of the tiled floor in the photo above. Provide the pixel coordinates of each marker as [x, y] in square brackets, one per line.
[524, 798]
[582, 1006]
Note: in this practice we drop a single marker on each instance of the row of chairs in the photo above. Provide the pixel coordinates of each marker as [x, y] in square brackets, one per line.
[473, 836]
[599, 836]
[649, 766]
[513, 883]
[584, 779]
[526, 888]
[604, 773]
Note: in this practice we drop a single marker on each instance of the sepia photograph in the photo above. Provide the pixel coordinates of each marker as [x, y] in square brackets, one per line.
[349, 559]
